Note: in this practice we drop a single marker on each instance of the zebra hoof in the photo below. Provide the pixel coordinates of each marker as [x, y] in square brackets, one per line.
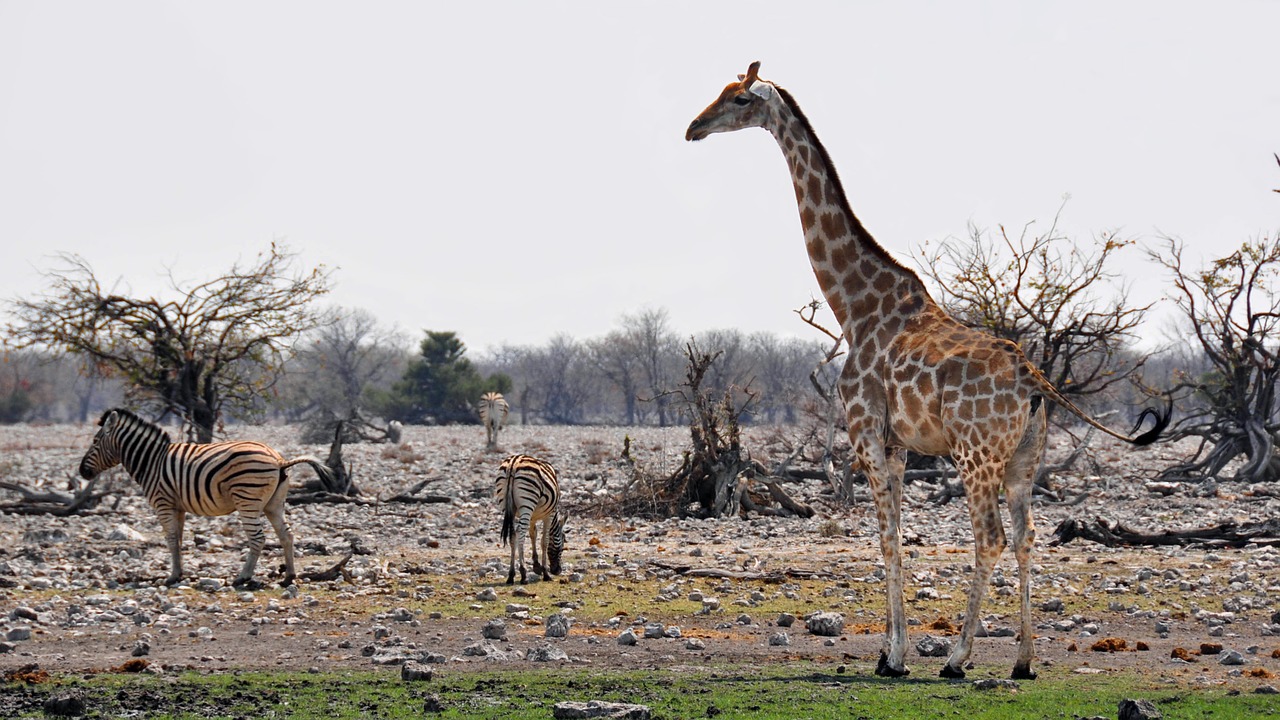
[952, 673]
[1023, 672]
[511, 579]
[883, 668]
[172, 580]
[247, 584]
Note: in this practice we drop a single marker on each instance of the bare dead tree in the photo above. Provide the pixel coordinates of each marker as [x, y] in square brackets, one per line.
[217, 343]
[1231, 307]
[1042, 292]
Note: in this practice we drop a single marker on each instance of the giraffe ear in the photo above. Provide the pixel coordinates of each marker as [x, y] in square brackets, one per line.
[762, 89]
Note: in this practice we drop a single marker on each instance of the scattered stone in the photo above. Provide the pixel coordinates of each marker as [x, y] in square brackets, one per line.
[1232, 657]
[7, 647]
[598, 709]
[546, 653]
[413, 671]
[995, 683]
[779, 639]
[785, 620]
[65, 705]
[695, 644]
[18, 632]
[627, 637]
[826, 624]
[654, 630]
[494, 630]
[126, 533]
[24, 613]
[487, 595]
[933, 646]
[557, 625]
[141, 648]
[402, 615]
[432, 704]
[1138, 710]
[1266, 690]
[673, 631]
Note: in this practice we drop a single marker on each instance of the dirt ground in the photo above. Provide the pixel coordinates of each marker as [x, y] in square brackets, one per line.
[426, 581]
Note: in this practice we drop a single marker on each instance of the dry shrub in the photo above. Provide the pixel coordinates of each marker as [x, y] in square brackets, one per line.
[1142, 647]
[1210, 648]
[830, 528]
[1182, 654]
[1261, 673]
[403, 452]
[135, 665]
[595, 449]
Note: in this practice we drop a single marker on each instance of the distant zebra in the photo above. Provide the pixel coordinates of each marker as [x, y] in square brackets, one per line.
[528, 492]
[493, 410]
[209, 479]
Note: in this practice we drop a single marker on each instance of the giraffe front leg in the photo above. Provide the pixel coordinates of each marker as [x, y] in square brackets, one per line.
[173, 521]
[885, 478]
[252, 524]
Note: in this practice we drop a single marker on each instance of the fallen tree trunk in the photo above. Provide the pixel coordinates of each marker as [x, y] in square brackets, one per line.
[51, 502]
[339, 569]
[1114, 534]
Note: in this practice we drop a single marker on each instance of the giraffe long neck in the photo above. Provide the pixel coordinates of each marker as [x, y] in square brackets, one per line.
[865, 287]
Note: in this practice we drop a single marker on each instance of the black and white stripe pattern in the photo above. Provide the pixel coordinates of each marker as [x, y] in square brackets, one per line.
[529, 493]
[210, 479]
[493, 411]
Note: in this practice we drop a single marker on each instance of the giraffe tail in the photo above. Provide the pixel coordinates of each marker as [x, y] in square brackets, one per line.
[1159, 417]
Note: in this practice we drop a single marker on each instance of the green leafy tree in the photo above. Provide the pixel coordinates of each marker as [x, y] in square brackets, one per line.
[441, 385]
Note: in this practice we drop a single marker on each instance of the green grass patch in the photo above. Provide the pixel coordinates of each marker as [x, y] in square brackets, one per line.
[799, 690]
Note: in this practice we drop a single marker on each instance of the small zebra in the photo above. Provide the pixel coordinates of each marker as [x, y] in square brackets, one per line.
[203, 479]
[528, 492]
[493, 410]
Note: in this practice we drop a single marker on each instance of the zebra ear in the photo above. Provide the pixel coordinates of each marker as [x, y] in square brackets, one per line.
[109, 419]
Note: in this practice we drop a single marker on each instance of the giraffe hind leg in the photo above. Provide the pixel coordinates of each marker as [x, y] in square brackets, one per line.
[982, 488]
[1018, 481]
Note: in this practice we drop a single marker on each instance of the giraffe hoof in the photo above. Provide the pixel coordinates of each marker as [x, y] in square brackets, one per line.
[953, 673]
[1023, 672]
[883, 669]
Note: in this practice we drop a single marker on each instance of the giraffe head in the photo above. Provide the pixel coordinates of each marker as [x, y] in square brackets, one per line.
[742, 104]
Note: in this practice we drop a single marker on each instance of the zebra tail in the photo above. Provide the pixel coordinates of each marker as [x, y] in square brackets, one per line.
[324, 471]
[509, 517]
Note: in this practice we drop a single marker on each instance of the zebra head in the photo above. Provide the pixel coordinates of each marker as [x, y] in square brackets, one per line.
[555, 547]
[104, 453]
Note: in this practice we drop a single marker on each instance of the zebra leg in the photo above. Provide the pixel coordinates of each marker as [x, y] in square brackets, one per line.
[173, 521]
[275, 515]
[533, 544]
[522, 529]
[546, 539]
[251, 521]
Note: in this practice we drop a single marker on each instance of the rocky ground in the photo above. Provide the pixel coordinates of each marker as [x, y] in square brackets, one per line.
[425, 582]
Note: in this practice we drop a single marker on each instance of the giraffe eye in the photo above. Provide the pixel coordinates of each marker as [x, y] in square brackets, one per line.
[742, 100]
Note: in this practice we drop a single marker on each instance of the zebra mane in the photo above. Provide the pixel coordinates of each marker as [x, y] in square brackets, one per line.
[134, 420]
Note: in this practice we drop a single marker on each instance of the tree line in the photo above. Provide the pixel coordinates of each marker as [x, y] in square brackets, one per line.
[255, 343]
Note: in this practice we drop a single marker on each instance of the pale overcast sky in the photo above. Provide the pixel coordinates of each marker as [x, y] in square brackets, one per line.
[514, 170]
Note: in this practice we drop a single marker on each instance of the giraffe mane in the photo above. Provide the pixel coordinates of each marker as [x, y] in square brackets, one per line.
[856, 225]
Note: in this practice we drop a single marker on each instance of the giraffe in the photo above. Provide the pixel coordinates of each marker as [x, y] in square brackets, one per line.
[915, 378]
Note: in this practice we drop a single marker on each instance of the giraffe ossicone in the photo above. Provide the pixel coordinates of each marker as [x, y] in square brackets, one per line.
[915, 378]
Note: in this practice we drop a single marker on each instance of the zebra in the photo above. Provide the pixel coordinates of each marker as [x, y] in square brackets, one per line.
[493, 410]
[204, 479]
[528, 492]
